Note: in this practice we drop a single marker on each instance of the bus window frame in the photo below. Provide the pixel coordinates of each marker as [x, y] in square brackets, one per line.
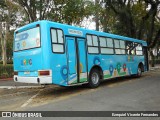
[106, 47]
[92, 43]
[57, 40]
[134, 48]
[139, 50]
[119, 45]
[38, 25]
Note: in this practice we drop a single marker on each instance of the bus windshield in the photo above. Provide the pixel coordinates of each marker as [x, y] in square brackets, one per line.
[27, 39]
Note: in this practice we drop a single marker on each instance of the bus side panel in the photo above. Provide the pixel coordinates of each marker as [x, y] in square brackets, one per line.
[132, 64]
[72, 60]
[59, 69]
[82, 60]
[58, 63]
[115, 66]
[93, 59]
[137, 60]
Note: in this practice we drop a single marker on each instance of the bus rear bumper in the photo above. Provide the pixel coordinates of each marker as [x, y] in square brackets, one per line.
[37, 80]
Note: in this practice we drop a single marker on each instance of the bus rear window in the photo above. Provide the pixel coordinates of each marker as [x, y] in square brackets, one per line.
[27, 39]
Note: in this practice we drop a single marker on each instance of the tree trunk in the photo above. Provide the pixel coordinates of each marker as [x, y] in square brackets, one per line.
[5, 44]
[152, 63]
[3, 38]
[97, 16]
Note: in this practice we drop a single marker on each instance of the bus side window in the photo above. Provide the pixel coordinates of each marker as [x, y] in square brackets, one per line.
[92, 42]
[139, 49]
[106, 45]
[130, 47]
[119, 47]
[57, 40]
[123, 47]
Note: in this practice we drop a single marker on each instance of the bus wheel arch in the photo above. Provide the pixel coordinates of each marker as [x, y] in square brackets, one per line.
[95, 75]
[140, 69]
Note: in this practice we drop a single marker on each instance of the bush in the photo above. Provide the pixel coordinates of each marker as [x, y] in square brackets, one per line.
[8, 62]
[156, 61]
[6, 71]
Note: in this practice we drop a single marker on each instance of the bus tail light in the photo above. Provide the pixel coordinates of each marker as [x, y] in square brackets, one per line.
[43, 72]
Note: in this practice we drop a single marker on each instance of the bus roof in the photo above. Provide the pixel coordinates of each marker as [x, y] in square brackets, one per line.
[79, 32]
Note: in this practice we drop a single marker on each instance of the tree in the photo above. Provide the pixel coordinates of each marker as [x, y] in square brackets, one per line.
[35, 9]
[122, 10]
[64, 11]
[97, 3]
[151, 15]
[3, 31]
[153, 36]
[7, 10]
[76, 10]
[135, 20]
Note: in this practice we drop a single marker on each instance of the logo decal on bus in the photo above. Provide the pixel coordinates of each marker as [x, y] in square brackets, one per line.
[130, 58]
[18, 46]
[22, 36]
[26, 62]
[24, 43]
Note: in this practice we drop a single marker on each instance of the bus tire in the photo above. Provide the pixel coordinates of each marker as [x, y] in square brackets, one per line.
[139, 71]
[94, 78]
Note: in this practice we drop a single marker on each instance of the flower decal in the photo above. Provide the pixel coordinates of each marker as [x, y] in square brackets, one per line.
[111, 69]
[96, 61]
[118, 67]
[124, 67]
[64, 72]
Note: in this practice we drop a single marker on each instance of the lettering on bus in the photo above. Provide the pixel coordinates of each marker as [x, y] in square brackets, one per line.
[76, 32]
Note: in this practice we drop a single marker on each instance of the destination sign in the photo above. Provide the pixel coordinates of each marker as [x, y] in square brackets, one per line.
[76, 32]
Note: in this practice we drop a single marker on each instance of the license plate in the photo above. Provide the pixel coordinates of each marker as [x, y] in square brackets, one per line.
[27, 72]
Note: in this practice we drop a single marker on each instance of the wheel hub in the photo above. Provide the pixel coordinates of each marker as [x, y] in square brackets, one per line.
[95, 78]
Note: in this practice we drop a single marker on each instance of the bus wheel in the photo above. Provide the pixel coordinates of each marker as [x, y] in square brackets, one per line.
[94, 79]
[139, 71]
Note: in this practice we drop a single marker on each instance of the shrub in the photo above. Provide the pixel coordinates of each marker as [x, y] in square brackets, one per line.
[8, 62]
[6, 71]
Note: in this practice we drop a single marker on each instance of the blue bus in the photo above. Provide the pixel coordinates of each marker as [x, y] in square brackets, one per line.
[47, 52]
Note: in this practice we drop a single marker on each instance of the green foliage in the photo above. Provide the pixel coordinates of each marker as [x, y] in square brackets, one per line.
[6, 71]
[8, 16]
[75, 10]
[137, 19]
[8, 62]
[70, 11]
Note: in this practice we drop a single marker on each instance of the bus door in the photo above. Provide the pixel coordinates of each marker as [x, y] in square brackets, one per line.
[76, 57]
[145, 52]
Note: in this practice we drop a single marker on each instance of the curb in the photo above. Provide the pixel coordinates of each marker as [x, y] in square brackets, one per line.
[20, 87]
[154, 68]
[6, 79]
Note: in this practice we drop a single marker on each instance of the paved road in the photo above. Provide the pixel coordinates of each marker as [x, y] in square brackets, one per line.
[12, 83]
[128, 94]
[121, 94]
